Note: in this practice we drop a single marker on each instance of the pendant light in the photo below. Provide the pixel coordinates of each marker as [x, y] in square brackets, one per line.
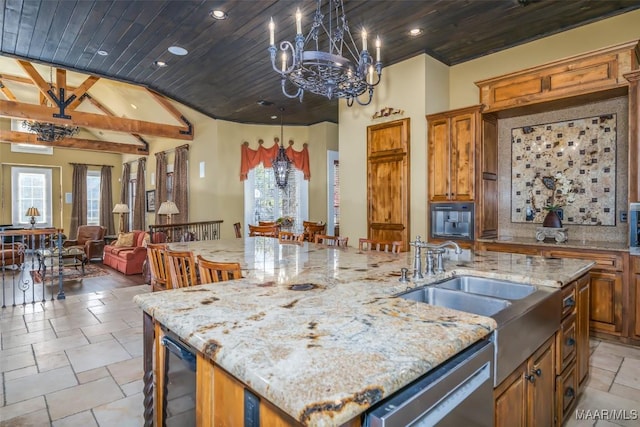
[281, 164]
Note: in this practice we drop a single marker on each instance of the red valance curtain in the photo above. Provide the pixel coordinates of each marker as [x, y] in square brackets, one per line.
[252, 158]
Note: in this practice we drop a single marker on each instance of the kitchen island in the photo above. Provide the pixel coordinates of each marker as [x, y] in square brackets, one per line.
[317, 332]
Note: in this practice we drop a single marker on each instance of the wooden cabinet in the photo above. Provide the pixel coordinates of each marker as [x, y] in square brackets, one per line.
[451, 154]
[388, 181]
[598, 71]
[582, 327]
[486, 221]
[635, 297]
[526, 397]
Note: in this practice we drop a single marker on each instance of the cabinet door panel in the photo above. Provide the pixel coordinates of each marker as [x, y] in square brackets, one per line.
[582, 324]
[462, 157]
[636, 327]
[439, 160]
[540, 391]
[606, 301]
[511, 404]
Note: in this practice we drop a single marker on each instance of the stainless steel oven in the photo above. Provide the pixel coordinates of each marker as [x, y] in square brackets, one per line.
[452, 221]
[634, 226]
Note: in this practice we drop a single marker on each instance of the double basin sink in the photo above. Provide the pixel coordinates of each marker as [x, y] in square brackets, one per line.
[526, 315]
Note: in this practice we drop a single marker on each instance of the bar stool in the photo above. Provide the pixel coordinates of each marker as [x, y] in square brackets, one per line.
[211, 272]
[182, 268]
[263, 230]
[326, 240]
[158, 266]
[289, 237]
[379, 245]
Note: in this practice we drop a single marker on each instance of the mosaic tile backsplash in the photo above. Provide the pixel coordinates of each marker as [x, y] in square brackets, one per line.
[571, 164]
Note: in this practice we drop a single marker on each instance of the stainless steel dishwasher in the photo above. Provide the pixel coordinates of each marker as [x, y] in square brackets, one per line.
[457, 393]
[180, 382]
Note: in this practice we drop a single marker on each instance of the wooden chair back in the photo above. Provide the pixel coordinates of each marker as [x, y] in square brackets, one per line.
[211, 272]
[158, 266]
[289, 237]
[312, 229]
[182, 268]
[268, 223]
[263, 230]
[238, 229]
[324, 239]
[379, 245]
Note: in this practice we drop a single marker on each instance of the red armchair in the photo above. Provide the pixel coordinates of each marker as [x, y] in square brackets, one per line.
[127, 259]
[90, 238]
[11, 254]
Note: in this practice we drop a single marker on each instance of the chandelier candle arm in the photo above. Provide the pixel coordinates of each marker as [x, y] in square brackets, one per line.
[339, 70]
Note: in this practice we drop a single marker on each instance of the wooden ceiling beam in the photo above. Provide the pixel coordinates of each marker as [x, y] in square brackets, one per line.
[75, 143]
[37, 79]
[81, 90]
[23, 110]
[108, 112]
[17, 79]
[7, 92]
[61, 78]
[169, 108]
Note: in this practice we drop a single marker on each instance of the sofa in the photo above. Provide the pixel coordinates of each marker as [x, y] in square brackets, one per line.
[128, 253]
[11, 254]
[90, 238]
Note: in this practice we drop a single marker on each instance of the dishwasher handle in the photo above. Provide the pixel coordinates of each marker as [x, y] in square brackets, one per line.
[180, 351]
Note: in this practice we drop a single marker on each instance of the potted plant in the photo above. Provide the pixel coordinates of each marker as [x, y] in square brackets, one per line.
[552, 220]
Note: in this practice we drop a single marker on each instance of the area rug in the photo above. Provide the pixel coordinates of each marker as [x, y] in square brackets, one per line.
[70, 273]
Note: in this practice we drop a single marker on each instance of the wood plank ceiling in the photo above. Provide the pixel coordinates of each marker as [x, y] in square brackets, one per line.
[228, 69]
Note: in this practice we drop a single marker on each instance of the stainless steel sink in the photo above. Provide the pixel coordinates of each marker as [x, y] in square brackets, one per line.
[490, 287]
[477, 304]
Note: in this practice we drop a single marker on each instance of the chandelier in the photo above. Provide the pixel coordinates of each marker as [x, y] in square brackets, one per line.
[50, 132]
[338, 71]
[281, 164]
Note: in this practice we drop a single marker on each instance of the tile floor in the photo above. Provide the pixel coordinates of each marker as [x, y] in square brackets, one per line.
[78, 362]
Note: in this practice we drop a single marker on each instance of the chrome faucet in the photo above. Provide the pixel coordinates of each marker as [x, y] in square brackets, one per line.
[437, 250]
[417, 260]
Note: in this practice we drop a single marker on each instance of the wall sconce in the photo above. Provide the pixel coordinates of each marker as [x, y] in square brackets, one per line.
[121, 208]
[33, 213]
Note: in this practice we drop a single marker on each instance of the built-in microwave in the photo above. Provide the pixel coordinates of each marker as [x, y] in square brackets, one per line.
[452, 221]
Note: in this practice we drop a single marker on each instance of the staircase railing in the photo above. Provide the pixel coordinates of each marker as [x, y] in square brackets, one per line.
[189, 231]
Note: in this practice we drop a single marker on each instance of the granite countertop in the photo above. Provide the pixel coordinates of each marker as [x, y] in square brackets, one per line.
[318, 331]
[569, 244]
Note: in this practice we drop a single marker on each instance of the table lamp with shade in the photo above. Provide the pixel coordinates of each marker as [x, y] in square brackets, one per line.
[168, 208]
[121, 208]
[33, 213]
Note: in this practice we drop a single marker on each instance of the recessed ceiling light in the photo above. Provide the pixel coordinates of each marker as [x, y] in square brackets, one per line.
[415, 32]
[103, 53]
[218, 14]
[134, 106]
[265, 103]
[274, 117]
[160, 64]
[177, 50]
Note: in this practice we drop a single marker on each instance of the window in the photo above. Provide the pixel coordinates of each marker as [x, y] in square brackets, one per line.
[132, 198]
[264, 201]
[336, 193]
[31, 187]
[93, 198]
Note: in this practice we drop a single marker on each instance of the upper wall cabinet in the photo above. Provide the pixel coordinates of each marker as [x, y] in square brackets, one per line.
[451, 155]
[597, 71]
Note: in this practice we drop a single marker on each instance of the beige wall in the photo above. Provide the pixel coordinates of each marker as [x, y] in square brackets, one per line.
[422, 85]
[62, 177]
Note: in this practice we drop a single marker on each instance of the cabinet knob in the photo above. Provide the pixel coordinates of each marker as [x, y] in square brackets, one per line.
[571, 341]
[569, 302]
[569, 392]
[530, 378]
[537, 371]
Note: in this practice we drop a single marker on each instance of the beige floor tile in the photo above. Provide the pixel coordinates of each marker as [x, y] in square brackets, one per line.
[95, 355]
[16, 361]
[133, 387]
[73, 321]
[104, 328]
[134, 347]
[629, 373]
[605, 423]
[605, 360]
[82, 419]
[18, 340]
[100, 338]
[39, 384]
[127, 412]
[82, 397]
[600, 379]
[15, 331]
[15, 350]
[620, 349]
[19, 373]
[598, 400]
[49, 361]
[626, 392]
[21, 408]
[92, 375]
[75, 332]
[33, 419]
[11, 324]
[58, 344]
[126, 371]
[130, 334]
[39, 325]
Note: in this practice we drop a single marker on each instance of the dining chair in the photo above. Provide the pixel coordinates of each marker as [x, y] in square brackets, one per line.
[182, 268]
[289, 237]
[267, 223]
[238, 229]
[311, 229]
[211, 272]
[263, 230]
[379, 245]
[324, 239]
[158, 266]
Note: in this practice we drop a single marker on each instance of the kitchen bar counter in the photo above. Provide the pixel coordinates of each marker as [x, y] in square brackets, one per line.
[569, 244]
[317, 331]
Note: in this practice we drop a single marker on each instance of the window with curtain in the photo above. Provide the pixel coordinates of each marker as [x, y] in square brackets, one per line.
[93, 197]
[132, 199]
[31, 187]
[336, 193]
[264, 201]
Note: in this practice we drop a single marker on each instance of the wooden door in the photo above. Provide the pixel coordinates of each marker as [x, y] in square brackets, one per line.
[439, 162]
[606, 302]
[463, 131]
[487, 179]
[388, 181]
[541, 386]
[582, 328]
